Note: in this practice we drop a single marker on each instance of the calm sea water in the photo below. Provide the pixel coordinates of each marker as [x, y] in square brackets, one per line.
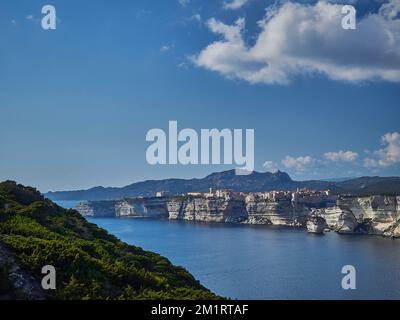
[260, 262]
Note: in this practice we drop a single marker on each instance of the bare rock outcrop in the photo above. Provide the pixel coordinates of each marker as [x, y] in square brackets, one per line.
[281, 213]
[24, 286]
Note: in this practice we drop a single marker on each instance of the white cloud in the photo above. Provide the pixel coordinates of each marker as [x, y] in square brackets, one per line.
[234, 4]
[184, 3]
[300, 163]
[387, 156]
[30, 17]
[183, 65]
[391, 9]
[298, 39]
[370, 163]
[196, 17]
[270, 166]
[165, 48]
[341, 156]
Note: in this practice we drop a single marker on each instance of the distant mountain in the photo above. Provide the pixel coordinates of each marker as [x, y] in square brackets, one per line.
[339, 179]
[255, 182]
[370, 185]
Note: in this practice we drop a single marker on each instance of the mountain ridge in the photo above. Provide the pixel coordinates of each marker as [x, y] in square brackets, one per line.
[255, 182]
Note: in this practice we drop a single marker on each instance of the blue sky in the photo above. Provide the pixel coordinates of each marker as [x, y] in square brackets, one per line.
[76, 102]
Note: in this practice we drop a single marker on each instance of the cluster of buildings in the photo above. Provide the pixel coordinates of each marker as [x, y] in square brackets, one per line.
[307, 197]
[217, 194]
[300, 196]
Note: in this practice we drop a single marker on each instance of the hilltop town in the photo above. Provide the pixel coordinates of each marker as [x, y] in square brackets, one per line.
[316, 210]
[311, 198]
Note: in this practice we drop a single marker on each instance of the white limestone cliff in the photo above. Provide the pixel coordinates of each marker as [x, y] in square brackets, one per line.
[379, 215]
[316, 224]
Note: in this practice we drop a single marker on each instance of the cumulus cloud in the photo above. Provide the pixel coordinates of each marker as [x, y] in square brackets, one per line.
[299, 163]
[387, 156]
[234, 4]
[345, 161]
[270, 166]
[302, 39]
[341, 156]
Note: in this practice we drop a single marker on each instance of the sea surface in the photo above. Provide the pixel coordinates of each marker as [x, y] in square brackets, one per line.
[263, 262]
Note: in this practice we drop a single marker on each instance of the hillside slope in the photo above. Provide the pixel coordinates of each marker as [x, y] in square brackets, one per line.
[90, 263]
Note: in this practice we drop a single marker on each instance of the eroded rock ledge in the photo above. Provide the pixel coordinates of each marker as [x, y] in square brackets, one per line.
[315, 210]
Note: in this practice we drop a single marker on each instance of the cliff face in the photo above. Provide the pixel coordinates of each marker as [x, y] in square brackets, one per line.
[97, 209]
[316, 224]
[206, 210]
[251, 210]
[174, 208]
[142, 208]
[378, 215]
[282, 213]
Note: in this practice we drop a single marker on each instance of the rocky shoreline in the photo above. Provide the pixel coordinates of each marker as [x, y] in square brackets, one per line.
[377, 215]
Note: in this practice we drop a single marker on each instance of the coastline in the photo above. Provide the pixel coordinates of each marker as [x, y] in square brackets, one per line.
[375, 215]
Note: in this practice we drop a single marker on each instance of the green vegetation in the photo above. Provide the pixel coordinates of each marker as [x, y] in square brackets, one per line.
[90, 263]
